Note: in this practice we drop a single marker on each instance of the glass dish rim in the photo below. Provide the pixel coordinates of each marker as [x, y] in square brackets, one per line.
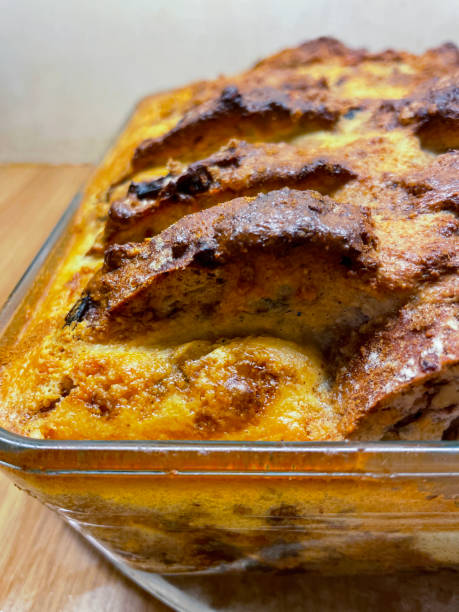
[15, 442]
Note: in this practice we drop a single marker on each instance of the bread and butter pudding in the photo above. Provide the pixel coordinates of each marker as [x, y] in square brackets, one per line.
[269, 256]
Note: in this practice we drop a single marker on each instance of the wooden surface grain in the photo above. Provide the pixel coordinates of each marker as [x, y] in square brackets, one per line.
[44, 565]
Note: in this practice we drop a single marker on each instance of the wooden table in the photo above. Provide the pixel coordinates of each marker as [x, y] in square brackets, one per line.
[45, 566]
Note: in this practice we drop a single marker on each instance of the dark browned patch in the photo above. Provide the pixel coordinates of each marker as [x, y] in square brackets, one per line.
[241, 169]
[49, 405]
[212, 551]
[239, 400]
[66, 385]
[313, 51]
[435, 187]
[432, 111]
[452, 432]
[239, 111]
[275, 222]
[284, 514]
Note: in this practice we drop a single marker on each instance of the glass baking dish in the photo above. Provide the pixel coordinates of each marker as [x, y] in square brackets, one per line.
[202, 507]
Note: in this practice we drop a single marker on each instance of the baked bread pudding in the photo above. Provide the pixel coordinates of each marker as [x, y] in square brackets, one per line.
[268, 256]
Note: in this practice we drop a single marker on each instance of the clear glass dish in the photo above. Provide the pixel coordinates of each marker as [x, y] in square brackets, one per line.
[199, 507]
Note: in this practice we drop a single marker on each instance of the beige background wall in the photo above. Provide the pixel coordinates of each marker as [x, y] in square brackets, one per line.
[70, 70]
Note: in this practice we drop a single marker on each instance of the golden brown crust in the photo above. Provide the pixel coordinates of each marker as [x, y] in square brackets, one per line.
[280, 256]
[189, 270]
[239, 112]
[414, 349]
[436, 187]
[432, 112]
[320, 50]
[238, 169]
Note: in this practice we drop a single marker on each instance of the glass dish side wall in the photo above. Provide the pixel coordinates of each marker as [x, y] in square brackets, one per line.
[220, 511]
